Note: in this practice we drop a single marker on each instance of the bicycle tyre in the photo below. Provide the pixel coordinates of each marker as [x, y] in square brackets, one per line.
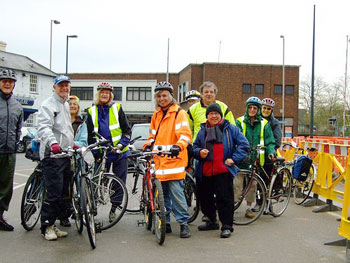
[146, 205]
[159, 219]
[302, 190]
[278, 199]
[240, 205]
[134, 187]
[110, 188]
[87, 207]
[78, 215]
[32, 200]
[191, 196]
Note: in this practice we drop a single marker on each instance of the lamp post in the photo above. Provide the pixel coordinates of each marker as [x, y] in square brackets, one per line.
[55, 22]
[283, 123]
[71, 36]
[345, 84]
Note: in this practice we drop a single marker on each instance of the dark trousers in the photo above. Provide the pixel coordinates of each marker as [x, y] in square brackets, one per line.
[222, 187]
[120, 169]
[57, 175]
[7, 169]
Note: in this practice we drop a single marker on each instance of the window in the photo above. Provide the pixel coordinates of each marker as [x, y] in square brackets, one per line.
[30, 121]
[84, 93]
[138, 93]
[182, 89]
[259, 88]
[277, 89]
[33, 81]
[289, 89]
[117, 92]
[246, 88]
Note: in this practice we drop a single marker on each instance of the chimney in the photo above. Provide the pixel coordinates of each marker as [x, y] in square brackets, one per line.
[3, 46]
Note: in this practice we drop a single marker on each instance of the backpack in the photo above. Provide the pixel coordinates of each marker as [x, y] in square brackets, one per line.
[301, 168]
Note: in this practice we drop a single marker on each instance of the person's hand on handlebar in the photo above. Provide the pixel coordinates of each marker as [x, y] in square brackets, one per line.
[55, 148]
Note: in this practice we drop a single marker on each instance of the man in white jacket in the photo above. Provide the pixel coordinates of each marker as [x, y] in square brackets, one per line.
[55, 133]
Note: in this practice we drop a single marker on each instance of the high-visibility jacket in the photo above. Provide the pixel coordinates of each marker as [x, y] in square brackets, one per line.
[197, 116]
[173, 129]
[258, 133]
[114, 126]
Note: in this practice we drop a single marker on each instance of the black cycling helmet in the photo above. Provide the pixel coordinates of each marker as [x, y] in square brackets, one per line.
[164, 85]
[7, 74]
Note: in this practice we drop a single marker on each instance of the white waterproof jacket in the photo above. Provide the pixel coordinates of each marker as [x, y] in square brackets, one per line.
[54, 125]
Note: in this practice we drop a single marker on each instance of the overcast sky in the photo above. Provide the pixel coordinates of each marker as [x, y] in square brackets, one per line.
[132, 36]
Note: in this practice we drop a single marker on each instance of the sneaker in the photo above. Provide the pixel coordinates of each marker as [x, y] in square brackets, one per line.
[185, 231]
[112, 216]
[50, 233]
[256, 208]
[168, 228]
[208, 226]
[226, 233]
[60, 233]
[65, 222]
[205, 219]
[249, 214]
[5, 226]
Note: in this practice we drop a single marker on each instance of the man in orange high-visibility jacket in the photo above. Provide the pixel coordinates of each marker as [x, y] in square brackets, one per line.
[170, 129]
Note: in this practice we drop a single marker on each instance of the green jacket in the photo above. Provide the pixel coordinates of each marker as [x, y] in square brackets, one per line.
[253, 134]
[196, 116]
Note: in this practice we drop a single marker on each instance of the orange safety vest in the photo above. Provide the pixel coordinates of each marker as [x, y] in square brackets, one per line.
[174, 129]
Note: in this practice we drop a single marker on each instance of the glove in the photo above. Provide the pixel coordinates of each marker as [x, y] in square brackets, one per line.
[124, 141]
[175, 150]
[56, 148]
[76, 146]
[147, 148]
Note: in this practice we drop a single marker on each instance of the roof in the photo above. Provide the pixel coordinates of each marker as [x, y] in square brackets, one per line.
[23, 63]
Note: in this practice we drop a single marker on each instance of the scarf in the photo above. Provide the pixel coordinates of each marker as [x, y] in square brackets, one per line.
[213, 135]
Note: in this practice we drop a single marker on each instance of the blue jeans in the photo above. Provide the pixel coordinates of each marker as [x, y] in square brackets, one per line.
[175, 201]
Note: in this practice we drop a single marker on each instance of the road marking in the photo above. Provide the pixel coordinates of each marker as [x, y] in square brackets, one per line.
[24, 175]
[28, 169]
[19, 186]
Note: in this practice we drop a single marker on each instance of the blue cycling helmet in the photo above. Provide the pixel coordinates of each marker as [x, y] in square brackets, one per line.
[253, 100]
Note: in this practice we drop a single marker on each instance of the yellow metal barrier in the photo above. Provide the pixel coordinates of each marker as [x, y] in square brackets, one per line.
[344, 229]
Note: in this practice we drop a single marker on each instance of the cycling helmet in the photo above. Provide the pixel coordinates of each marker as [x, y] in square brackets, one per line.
[253, 100]
[7, 74]
[192, 95]
[164, 85]
[105, 85]
[269, 102]
[74, 97]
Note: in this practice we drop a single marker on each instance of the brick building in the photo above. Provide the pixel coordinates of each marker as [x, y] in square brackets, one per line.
[236, 83]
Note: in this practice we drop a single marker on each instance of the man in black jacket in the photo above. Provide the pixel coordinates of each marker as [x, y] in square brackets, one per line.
[11, 115]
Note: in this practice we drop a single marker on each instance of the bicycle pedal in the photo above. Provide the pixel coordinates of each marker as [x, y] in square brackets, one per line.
[141, 222]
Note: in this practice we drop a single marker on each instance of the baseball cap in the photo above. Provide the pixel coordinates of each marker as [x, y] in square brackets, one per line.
[61, 78]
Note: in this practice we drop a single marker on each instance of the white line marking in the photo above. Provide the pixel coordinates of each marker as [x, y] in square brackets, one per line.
[18, 186]
[24, 175]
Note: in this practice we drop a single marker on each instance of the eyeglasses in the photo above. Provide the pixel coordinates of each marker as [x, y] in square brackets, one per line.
[266, 108]
[252, 108]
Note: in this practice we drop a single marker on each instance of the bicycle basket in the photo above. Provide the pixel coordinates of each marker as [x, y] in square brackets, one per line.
[301, 168]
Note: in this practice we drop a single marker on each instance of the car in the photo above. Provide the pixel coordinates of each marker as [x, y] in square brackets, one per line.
[28, 134]
[139, 129]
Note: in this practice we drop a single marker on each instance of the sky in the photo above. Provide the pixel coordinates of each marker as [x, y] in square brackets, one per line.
[132, 36]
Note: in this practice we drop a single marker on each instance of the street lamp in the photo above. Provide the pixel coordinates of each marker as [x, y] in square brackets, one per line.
[71, 36]
[55, 22]
[345, 84]
[282, 36]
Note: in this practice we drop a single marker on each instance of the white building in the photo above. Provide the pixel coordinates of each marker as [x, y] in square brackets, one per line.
[34, 82]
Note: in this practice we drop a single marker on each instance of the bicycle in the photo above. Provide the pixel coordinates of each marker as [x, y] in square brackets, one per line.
[32, 197]
[134, 186]
[110, 193]
[152, 198]
[272, 198]
[301, 187]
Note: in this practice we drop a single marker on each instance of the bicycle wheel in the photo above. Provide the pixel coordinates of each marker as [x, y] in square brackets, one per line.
[245, 187]
[111, 199]
[192, 199]
[134, 187]
[159, 220]
[87, 207]
[32, 200]
[146, 205]
[78, 215]
[302, 189]
[279, 192]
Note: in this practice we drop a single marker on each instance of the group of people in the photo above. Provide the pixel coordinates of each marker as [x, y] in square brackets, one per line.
[220, 144]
